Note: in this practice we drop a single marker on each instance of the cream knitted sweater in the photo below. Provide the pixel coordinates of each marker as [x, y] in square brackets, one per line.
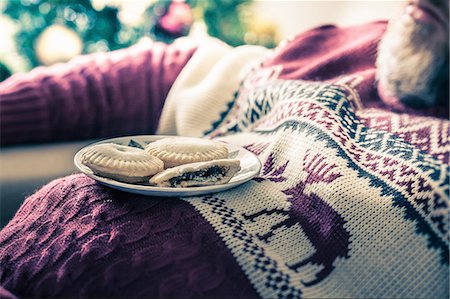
[205, 86]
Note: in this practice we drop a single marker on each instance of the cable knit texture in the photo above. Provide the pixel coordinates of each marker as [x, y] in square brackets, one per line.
[92, 96]
[76, 238]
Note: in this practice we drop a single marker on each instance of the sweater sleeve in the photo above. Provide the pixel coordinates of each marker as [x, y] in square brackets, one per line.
[98, 95]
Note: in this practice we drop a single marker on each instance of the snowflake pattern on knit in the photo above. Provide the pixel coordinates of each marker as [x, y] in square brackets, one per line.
[335, 200]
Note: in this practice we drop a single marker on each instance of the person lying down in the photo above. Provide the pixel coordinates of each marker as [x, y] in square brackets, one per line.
[350, 126]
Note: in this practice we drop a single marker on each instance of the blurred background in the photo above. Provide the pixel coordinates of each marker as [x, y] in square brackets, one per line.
[44, 32]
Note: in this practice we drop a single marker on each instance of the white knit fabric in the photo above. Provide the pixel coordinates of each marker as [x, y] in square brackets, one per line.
[339, 210]
[333, 195]
[205, 86]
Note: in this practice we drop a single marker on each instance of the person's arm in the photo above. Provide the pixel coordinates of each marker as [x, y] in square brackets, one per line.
[97, 95]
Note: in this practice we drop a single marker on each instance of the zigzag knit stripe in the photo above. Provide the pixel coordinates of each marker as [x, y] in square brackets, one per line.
[311, 222]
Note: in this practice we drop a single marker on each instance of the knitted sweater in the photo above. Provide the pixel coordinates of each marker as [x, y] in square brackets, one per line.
[352, 199]
[92, 96]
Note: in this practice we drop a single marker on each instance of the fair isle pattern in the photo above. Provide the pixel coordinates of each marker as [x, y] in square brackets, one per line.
[339, 209]
[417, 175]
[427, 133]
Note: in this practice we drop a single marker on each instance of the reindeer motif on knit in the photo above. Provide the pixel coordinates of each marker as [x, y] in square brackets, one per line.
[323, 226]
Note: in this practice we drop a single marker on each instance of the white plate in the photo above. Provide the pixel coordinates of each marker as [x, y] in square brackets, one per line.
[250, 167]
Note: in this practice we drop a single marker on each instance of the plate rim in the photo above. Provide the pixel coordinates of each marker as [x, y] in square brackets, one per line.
[160, 191]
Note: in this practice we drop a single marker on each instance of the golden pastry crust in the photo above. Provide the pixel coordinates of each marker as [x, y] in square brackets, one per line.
[122, 163]
[183, 150]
